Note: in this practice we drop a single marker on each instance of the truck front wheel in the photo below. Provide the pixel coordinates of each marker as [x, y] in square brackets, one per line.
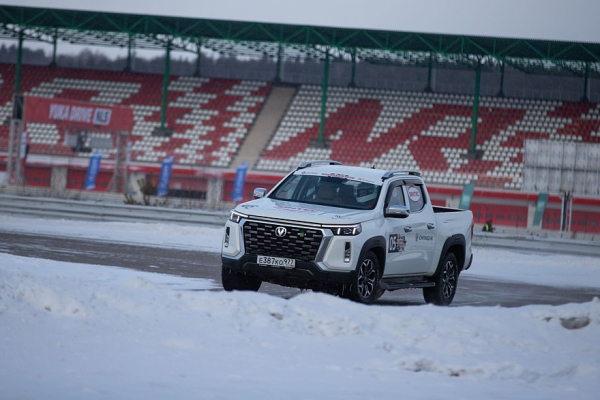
[445, 280]
[234, 280]
[364, 289]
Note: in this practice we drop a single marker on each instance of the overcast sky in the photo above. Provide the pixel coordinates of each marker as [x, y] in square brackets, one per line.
[570, 20]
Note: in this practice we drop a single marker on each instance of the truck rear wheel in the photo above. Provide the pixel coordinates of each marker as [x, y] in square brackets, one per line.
[235, 280]
[445, 280]
[365, 287]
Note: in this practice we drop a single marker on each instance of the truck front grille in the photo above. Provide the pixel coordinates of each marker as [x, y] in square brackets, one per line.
[261, 238]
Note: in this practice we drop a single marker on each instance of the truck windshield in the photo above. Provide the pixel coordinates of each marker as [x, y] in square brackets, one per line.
[329, 191]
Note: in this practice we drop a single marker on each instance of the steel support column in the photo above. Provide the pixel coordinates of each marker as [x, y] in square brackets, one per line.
[353, 76]
[14, 172]
[586, 80]
[54, 46]
[13, 163]
[198, 57]
[18, 66]
[279, 60]
[129, 44]
[165, 97]
[10, 160]
[429, 70]
[118, 182]
[501, 92]
[475, 109]
[324, 98]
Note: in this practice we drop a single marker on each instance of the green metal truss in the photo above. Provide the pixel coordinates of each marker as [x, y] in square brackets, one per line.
[263, 40]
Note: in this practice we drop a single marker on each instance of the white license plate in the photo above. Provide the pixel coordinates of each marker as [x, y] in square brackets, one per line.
[276, 261]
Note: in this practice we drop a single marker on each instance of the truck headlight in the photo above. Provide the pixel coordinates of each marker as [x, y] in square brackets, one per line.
[236, 217]
[345, 230]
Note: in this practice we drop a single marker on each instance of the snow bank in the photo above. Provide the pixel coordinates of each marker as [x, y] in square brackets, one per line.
[75, 331]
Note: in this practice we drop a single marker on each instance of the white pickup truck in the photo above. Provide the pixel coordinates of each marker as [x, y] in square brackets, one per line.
[349, 231]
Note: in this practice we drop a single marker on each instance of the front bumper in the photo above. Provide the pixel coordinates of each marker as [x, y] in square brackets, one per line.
[306, 275]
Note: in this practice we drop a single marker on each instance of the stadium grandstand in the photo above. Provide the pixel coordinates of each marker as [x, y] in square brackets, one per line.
[462, 110]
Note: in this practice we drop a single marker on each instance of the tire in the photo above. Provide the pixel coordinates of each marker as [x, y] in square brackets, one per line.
[234, 280]
[366, 285]
[445, 280]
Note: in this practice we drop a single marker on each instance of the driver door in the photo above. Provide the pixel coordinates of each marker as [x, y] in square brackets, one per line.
[410, 240]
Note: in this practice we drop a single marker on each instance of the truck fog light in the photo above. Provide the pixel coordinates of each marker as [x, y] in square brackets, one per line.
[226, 240]
[347, 252]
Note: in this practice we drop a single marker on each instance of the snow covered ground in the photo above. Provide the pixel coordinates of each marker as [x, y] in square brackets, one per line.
[76, 331]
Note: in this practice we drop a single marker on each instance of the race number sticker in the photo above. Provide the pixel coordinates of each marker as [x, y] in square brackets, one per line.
[397, 244]
[414, 194]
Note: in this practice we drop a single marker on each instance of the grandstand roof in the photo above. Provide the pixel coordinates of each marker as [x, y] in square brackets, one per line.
[264, 39]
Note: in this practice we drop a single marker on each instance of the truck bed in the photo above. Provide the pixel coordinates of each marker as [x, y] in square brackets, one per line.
[439, 209]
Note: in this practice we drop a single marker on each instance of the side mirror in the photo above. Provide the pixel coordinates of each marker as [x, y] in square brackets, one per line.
[397, 211]
[259, 193]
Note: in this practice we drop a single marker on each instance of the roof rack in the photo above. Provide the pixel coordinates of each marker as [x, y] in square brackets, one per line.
[307, 164]
[389, 174]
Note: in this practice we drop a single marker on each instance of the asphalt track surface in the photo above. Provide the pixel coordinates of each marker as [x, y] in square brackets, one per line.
[198, 264]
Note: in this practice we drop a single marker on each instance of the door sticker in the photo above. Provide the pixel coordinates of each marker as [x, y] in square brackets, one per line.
[397, 244]
[414, 194]
[426, 238]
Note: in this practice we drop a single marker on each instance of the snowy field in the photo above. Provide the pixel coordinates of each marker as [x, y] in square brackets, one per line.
[76, 331]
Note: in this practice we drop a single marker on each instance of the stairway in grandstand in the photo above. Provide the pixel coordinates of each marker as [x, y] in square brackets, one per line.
[266, 123]
[430, 132]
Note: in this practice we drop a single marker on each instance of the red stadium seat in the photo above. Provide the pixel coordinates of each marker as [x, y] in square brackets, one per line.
[432, 132]
[200, 110]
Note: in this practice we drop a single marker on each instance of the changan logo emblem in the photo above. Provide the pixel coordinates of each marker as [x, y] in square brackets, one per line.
[280, 231]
